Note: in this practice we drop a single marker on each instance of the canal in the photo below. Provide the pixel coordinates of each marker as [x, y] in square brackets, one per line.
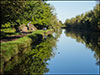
[66, 52]
[73, 57]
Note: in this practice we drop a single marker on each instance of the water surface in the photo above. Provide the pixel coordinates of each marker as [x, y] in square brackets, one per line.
[72, 57]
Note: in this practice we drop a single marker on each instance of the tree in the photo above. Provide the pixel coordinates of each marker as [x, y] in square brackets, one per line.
[88, 21]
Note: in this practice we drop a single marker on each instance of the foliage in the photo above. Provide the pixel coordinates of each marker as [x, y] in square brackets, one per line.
[10, 12]
[16, 13]
[88, 21]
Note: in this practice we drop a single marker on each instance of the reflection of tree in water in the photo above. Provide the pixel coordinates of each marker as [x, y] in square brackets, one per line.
[90, 39]
[30, 65]
[35, 62]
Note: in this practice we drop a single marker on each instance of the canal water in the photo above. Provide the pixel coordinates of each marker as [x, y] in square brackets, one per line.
[66, 52]
[72, 57]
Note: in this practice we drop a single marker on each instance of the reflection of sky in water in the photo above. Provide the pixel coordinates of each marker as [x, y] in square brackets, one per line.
[72, 57]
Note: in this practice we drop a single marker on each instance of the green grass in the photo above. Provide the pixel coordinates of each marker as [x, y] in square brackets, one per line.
[9, 30]
[11, 48]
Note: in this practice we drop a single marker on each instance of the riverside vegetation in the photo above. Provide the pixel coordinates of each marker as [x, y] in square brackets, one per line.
[89, 21]
[21, 12]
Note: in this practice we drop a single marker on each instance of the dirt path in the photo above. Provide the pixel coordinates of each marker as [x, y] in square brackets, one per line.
[14, 37]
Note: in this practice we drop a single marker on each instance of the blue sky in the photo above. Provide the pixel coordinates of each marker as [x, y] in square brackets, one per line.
[68, 9]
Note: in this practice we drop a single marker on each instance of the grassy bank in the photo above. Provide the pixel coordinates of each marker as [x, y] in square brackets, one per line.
[12, 48]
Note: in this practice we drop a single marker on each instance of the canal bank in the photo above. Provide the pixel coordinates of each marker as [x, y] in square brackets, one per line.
[22, 45]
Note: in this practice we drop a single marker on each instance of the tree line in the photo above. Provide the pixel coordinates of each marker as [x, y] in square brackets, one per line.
[17, 12]
[88, 21]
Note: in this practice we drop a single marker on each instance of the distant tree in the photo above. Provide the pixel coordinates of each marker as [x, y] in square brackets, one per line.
[88, 21]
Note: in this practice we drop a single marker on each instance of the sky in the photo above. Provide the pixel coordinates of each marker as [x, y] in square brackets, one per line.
[68, 9]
